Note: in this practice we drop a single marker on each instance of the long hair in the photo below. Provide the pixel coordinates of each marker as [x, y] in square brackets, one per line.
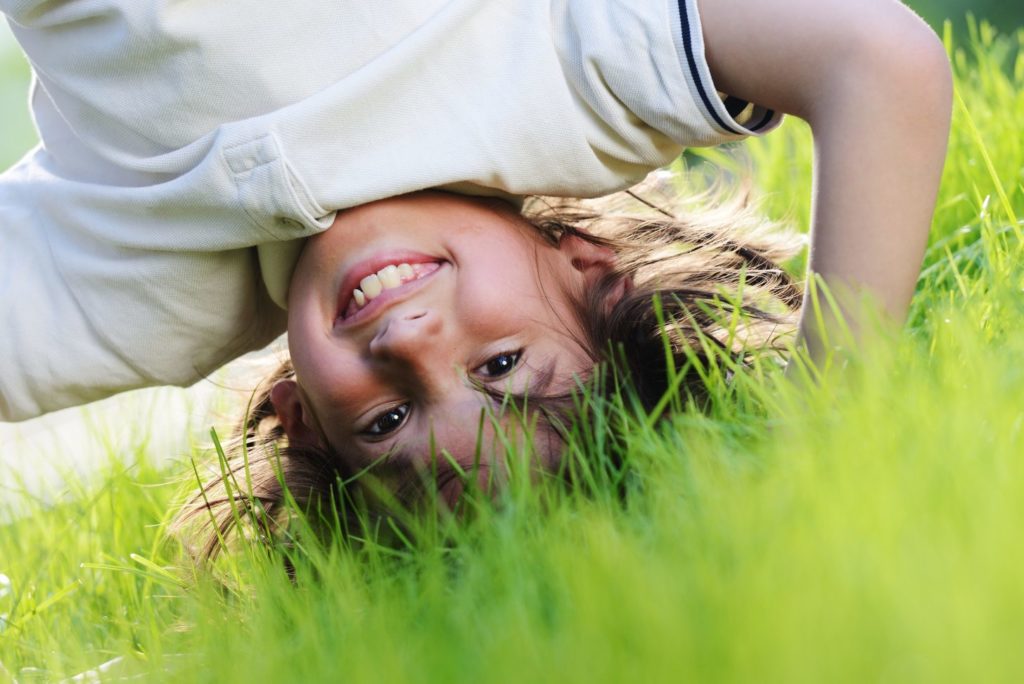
[700, 282]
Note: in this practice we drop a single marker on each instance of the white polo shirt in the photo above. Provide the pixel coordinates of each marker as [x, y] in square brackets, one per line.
[188, 148]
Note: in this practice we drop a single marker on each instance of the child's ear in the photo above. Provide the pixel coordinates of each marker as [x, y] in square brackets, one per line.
[288, 406]
[593, 261]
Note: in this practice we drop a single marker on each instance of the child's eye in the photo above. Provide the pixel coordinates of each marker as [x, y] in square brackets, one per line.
[500, 364]
[388, 421]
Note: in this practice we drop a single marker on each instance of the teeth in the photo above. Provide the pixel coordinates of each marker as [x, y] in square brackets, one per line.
[389, 277]
[371, 286]
[386, 278]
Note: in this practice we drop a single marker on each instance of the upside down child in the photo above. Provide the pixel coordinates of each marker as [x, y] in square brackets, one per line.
[353, 174]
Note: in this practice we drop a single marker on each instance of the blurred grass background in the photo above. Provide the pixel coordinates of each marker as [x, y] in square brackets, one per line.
[1004, 15]
[16, 133]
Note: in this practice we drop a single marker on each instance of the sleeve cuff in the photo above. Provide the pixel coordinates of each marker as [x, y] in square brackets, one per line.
[730, 116]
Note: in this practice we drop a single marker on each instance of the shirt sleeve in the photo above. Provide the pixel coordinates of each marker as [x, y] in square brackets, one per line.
[639, 68]
[50, 354]
[88, 313]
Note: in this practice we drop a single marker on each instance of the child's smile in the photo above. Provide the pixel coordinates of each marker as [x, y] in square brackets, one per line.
[376, 287]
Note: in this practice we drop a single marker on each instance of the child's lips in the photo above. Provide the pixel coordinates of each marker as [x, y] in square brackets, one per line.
[417, 270]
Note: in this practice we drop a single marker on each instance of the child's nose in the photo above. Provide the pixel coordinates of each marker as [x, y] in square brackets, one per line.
[408, 336]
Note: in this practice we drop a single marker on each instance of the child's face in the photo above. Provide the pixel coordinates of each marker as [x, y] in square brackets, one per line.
[486, 300]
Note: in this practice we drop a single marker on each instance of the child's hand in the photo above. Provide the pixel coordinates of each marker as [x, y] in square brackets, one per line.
[873, 81]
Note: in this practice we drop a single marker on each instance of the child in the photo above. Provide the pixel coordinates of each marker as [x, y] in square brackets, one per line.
[189, 156]
[522, 306]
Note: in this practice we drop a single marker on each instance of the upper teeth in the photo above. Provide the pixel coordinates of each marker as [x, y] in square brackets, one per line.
[387, 278]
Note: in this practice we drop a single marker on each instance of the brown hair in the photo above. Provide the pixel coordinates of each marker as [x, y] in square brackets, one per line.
[689, 274]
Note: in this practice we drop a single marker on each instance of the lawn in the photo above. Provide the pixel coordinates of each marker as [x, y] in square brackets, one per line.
[868, 529]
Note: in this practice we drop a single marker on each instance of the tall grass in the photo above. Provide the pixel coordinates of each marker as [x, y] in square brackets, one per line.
[864, 530]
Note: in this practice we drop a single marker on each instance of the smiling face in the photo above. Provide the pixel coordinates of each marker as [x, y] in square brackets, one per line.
[409, 314]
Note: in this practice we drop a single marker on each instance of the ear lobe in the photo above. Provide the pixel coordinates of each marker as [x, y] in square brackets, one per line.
[615, 295]
[287, 402]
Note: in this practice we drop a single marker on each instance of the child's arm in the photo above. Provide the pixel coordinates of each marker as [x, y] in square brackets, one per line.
[873, 82]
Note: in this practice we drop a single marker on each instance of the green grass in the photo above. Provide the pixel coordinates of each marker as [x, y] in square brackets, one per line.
[868, 530]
